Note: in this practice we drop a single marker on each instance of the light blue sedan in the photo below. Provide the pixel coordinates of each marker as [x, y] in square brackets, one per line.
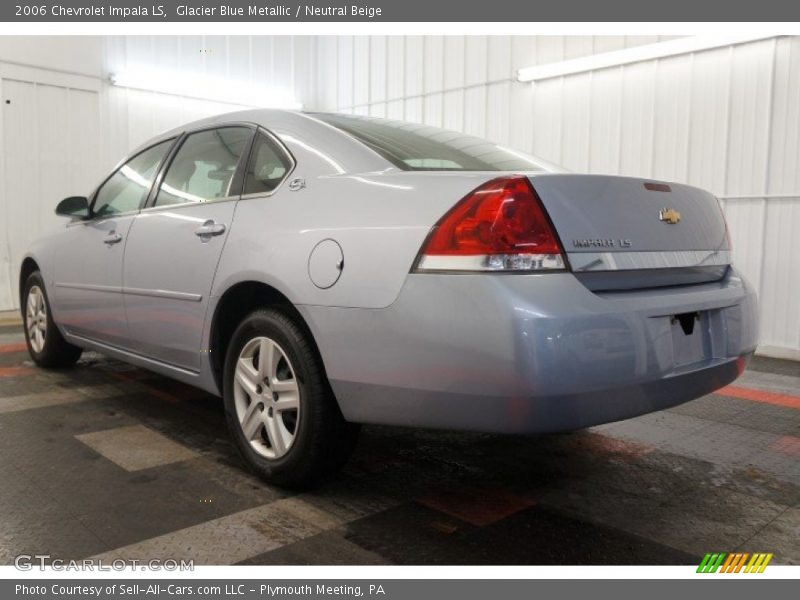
[319, 271]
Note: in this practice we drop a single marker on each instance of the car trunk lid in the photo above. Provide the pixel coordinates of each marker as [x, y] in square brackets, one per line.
[625, 232]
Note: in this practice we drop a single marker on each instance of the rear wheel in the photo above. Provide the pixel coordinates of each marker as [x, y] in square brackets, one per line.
[278, 404]
[46, 345]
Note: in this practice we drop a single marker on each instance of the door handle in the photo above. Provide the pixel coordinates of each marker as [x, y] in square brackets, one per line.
[112, 238]
[209, 228]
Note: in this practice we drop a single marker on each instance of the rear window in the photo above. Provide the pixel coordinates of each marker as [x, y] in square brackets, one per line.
[414, 147]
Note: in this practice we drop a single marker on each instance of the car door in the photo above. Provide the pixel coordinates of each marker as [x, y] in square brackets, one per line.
[175, 243]
[88, 264]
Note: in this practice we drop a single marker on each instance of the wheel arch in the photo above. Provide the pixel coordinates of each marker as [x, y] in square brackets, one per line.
[239, 300]
[29, 265]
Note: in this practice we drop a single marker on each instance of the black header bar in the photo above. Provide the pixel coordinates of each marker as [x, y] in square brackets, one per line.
[400, 11]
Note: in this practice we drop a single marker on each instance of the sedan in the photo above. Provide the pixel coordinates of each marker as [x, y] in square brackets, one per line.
[319, 271]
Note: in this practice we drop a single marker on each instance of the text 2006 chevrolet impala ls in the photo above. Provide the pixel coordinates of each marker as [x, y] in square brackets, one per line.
[318, 271]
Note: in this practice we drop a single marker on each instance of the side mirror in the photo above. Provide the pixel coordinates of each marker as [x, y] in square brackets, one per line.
[76, 207]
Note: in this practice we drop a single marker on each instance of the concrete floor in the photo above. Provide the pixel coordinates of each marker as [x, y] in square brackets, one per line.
[108, 460]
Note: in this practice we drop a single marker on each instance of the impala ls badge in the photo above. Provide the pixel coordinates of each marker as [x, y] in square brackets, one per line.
[669, 215]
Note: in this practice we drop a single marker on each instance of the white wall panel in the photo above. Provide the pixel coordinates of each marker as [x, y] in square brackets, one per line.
[607, 43]
[638, 118]
[433, 54]
[49, 151]
[304, 72]
[548, 109]
[553, 48]
[498, 98]
[238, 65]
[283, 60]
[709, 111]
[414, 63]
[414, 109]
[499, 60]
[605, 118]
[69, 53]
[476, 55]
[344, 72]
[750, 97]
[521, 127]
[377, 69]
[453, 110]
[192, 60]
[378, 109]
[327, 79]
[576, 127]
[780, 289]
[395, 68]
[575, 46]
[475, 112]
[433, 109]
[395, 109]
[361, 72]
[454, 60]
[523, 53]
[671, 110]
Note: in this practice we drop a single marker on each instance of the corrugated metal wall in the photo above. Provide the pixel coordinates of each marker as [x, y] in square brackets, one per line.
[726, 119]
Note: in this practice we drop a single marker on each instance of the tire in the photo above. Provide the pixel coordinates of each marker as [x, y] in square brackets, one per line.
[281, 411]
[46, 345]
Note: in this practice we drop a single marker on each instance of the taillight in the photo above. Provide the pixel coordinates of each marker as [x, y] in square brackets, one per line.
[500, 226]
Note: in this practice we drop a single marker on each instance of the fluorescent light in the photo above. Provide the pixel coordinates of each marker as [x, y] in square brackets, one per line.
[204, 87]
[593, 62]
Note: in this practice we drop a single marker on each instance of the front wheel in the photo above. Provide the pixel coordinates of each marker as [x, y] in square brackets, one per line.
[278, 403]
[46, 345]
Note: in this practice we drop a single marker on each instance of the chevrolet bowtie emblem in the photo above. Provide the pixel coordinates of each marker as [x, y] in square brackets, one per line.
[669, 215]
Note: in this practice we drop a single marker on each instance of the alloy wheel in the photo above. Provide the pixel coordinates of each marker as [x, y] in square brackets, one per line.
[36, 318]
[267, 397]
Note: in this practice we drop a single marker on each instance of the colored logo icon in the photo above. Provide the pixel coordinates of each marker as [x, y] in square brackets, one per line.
[734, 562]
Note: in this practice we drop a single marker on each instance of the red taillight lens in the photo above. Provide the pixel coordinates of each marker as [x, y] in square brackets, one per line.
[501, 226]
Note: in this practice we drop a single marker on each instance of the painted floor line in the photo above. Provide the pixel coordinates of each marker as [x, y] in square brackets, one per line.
[785, 400]
[15, 371]
[9, 348]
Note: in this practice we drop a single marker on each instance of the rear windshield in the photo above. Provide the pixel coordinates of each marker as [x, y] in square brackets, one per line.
[414, 147]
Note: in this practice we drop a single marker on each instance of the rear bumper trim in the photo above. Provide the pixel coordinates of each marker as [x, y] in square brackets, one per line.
[526, 415]
[631, 261]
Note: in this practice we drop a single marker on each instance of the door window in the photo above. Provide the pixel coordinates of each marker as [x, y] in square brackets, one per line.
[204, 166]
[267, 167]
[126, 190]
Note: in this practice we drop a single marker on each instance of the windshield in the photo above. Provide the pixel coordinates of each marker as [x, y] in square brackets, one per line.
[414, 147]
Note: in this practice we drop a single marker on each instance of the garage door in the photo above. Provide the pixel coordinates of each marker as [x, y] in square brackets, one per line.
[50, 147]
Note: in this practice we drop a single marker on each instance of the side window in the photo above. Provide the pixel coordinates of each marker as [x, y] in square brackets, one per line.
[204, 166]
[267, 167]
[127, 189]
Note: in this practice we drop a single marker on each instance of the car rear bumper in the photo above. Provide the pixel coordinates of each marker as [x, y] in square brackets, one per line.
[531, 353]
